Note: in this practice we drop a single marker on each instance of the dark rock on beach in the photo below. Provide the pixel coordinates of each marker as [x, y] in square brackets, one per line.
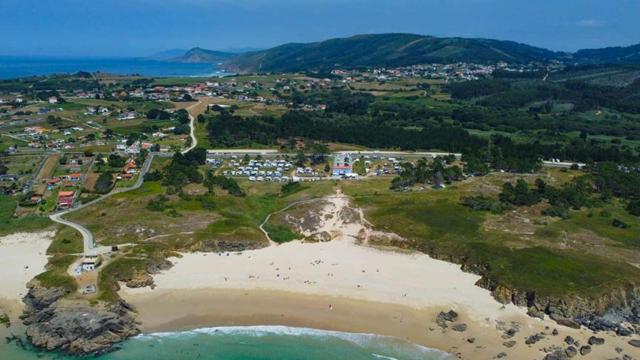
[571, 352]
[569, 340]
[459, 327]
[444, 317]
[533, 339]
[594, 340]
[75, 326]
[565, 321]
[556, 355]
[585, 350]
[535, 313]
[509, 333]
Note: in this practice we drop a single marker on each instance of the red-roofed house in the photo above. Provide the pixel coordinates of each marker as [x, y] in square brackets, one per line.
[65, 199]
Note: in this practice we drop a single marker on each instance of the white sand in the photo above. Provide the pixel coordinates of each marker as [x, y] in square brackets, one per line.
[338, 268]
[23, 256]
[340, 285]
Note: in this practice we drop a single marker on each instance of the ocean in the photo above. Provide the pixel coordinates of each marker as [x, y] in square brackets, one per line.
[22, 66]
[249, 343]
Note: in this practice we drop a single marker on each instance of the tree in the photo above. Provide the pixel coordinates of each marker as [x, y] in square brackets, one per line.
[158, 114]
[116, 161]
[54, 121]
[520, 195]
[300, 159]
[182, 116]
[182, 129]
[634, 207]
[104, 183]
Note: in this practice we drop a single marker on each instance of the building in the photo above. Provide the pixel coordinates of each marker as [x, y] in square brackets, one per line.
[130, 167]
[127, 115]
[342, 165]
[75, 177]
[90, 263]
[65, 199]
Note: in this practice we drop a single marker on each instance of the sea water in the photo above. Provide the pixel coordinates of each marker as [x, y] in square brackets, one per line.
[250, 343]
[22, 66]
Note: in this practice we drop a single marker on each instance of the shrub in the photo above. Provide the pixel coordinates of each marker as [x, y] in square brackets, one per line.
[619, 224]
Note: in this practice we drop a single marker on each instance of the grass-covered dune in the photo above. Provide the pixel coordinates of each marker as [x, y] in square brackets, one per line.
[537, 259]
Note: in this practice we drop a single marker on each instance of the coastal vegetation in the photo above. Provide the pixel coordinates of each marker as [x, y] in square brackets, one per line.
[56, 275]
[9, 223]
[526, 254]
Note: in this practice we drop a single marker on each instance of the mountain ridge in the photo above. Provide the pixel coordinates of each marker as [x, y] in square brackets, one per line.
[401, 49]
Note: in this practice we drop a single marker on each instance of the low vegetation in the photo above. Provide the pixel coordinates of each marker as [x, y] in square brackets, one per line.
[56, 273]
[10, 223]
[443, 223]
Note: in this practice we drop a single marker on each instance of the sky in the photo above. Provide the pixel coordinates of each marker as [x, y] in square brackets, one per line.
[144, 27]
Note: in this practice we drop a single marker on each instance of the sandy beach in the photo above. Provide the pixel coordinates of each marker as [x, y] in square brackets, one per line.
[23, 256]
[341, 285]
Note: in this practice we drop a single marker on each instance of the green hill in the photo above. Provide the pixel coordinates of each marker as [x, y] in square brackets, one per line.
[610, 55]
[393, 50]
[387, 50]
[199, 55]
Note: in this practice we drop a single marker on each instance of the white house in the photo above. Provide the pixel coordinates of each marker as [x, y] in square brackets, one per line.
[90, 263]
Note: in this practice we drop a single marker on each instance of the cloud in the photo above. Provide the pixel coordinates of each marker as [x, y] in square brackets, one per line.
[591, 23]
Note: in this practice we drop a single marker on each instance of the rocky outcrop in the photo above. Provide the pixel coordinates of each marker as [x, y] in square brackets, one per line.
[159, 265]
[444, 317]
[619, 311]
[140, 280]
[74, 326]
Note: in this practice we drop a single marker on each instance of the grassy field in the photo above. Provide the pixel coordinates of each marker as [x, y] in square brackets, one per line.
[219, 222]
[66, 241]
[441, 226]
[56, 275]
[49, 167]
[10, 224]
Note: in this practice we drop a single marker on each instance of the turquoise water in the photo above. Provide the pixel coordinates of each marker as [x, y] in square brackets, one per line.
[251, 343]
[19, 66]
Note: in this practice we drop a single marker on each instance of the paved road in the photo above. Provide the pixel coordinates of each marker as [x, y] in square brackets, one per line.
[231, 152]
[87, 237]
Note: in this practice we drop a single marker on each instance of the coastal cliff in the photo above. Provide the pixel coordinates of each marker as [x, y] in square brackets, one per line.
[618, 310]
[75, 326]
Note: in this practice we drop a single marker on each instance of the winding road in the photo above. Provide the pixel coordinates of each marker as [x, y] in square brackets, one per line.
[88, 239]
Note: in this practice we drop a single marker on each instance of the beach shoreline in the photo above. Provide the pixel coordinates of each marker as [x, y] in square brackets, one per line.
[348, 286]
[23, 256]
[172, 310]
